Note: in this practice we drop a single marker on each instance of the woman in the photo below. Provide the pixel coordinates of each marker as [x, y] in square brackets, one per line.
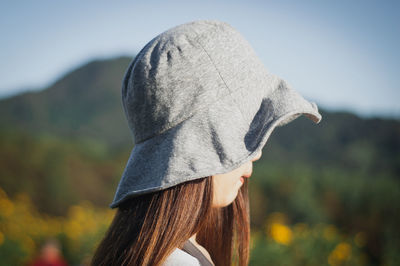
[201, 106]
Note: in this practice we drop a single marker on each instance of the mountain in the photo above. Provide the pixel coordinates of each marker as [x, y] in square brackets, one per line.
[84, 103]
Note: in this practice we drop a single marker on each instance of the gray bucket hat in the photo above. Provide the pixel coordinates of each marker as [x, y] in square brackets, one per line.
[199, 102]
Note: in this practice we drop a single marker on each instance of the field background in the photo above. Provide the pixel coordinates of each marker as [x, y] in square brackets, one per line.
[326, 194]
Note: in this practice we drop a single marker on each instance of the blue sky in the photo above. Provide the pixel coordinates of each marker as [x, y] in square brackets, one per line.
[341, 54]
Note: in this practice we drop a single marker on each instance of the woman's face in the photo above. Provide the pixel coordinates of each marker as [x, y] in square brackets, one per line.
[226, 186]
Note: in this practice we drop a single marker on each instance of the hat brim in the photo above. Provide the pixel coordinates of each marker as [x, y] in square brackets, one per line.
[217, 139]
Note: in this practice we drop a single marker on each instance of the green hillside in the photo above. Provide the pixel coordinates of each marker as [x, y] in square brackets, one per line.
[84, 103]
[70, 142]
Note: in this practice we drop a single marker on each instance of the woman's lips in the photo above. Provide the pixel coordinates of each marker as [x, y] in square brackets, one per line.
[247, 175]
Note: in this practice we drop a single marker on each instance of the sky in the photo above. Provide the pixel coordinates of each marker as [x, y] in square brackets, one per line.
[343, 55]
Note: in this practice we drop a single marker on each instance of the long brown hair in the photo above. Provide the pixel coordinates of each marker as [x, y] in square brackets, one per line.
[147, 228]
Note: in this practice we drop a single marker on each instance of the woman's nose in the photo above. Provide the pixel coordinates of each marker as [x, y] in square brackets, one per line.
[249, 170]
[258, 156]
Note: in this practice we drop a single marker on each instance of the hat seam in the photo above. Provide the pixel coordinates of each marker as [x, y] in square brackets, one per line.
[220, 75]
[194, 112]
[205, 106]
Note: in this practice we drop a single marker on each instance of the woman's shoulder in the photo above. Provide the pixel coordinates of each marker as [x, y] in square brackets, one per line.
[180, 258]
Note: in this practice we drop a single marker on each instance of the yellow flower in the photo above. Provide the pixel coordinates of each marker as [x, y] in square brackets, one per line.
[341, 252]
[1, 238]
[281, 233]
[21, 222]
[6, 207]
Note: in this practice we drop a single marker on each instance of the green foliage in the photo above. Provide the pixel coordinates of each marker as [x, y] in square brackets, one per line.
[354, 203]
[318, 245]
[57, 173]
[11, 253]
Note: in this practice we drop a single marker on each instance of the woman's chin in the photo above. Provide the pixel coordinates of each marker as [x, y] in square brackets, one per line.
[225, 201]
